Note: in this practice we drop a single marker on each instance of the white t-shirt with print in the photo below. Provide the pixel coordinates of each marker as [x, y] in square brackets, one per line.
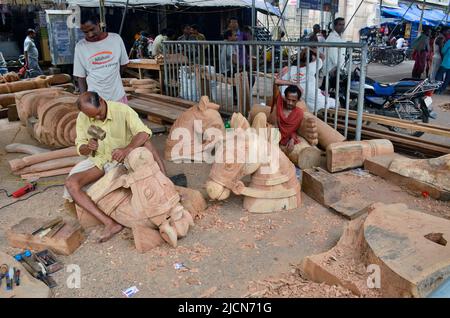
[100, 63]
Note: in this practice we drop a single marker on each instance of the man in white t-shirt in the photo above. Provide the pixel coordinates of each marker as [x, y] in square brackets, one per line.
[31, 54]
[399, 43]
[98, 60]
[335, 36]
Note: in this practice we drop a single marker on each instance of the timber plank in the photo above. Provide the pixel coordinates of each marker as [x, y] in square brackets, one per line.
[379, 166]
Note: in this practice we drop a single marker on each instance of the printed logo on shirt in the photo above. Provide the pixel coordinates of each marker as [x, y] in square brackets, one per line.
[101, 58]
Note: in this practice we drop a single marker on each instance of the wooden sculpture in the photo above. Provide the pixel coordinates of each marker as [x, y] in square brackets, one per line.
[142, 198]
[407, 250]
[197, 122]
[50, 115]
[273, 186]
[351, 154]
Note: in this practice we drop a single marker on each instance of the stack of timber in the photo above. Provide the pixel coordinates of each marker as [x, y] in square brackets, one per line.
[50, 115]
[159, 108]
[402, 143]
[11, 84]
[43, 164]
[141, 86]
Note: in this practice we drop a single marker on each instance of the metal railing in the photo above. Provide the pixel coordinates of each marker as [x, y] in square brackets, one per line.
[237, 75]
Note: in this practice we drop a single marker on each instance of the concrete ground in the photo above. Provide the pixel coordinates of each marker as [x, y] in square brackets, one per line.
[226, 254]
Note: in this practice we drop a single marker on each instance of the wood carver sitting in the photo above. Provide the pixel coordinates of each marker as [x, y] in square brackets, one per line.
[300, 131]
[143, 199]
[196, 127]
[124, 133]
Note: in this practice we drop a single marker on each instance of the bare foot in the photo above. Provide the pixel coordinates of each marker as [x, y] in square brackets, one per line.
[109, 231]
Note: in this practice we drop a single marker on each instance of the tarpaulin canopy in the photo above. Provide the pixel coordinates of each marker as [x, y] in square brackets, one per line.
[260, 5]
[431, 17]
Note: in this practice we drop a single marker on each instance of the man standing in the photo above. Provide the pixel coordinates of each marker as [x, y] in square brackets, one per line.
[335, 36]
[186, 36]
[166, 35]
[31, 54]
[314, 35]
[421, 47]
[98, 60]
[444, 69]
[3, 65]
[233, 25]
[124, 132]
[195, 33]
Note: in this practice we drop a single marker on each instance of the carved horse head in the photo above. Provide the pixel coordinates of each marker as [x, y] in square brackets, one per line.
[237, 155]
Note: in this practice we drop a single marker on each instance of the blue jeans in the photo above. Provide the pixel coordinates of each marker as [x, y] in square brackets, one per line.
[34, 69]
[440, 76]
[3, 70]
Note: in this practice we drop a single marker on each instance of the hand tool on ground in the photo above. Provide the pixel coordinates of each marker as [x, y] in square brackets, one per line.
[97, 134]
[10, 277]
[55, 229]
[25, 189]
[17, 277]
[49, 260]
[35, 268]
[48, 225]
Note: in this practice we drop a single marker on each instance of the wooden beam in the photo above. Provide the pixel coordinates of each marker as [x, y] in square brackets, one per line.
[321, 185]
[395, 122]
[379, 166]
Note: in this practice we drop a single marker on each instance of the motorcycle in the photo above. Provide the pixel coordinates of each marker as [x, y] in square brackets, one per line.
[408, 99]
[386, 55]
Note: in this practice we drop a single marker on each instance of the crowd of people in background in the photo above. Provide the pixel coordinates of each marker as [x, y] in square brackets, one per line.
[431, 53]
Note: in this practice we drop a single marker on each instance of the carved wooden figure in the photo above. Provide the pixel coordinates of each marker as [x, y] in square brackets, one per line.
[273, 186]
[142, 198]
[194, 126]
[50, 115]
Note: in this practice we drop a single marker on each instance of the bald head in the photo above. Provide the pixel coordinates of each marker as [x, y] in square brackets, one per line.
[92, 105]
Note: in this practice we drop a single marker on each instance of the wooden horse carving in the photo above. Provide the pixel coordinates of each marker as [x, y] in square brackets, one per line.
[142, 198]
[194, 127]
[274, 185]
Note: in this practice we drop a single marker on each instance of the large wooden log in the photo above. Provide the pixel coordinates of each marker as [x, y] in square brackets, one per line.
[7, 99]
[48, 173]
[58, 79]
[23, 85]
[51, 165]
[17, 164]
[351, 154]
[24, 148]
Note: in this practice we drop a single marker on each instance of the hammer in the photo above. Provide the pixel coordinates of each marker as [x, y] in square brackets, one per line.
[97, 134]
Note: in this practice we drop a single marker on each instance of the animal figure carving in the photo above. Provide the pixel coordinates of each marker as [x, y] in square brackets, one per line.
[141, 196]
[273, 186]
[196, 127]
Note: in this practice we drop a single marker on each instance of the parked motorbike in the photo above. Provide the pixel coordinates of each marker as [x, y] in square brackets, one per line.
[408, 99]
[386, 55]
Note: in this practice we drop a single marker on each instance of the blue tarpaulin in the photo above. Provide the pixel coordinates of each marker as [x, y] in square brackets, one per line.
[431, 17]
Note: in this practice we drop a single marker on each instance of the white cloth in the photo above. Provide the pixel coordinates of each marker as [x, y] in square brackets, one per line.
[84, 166]
[157, 44]
[298, 75]
[100, 63]
[399, 43]
[437, 60]
[226, 57]
[332, 57]
[2, 60]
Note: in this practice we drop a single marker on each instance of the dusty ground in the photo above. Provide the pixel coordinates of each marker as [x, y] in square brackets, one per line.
[229, 253]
